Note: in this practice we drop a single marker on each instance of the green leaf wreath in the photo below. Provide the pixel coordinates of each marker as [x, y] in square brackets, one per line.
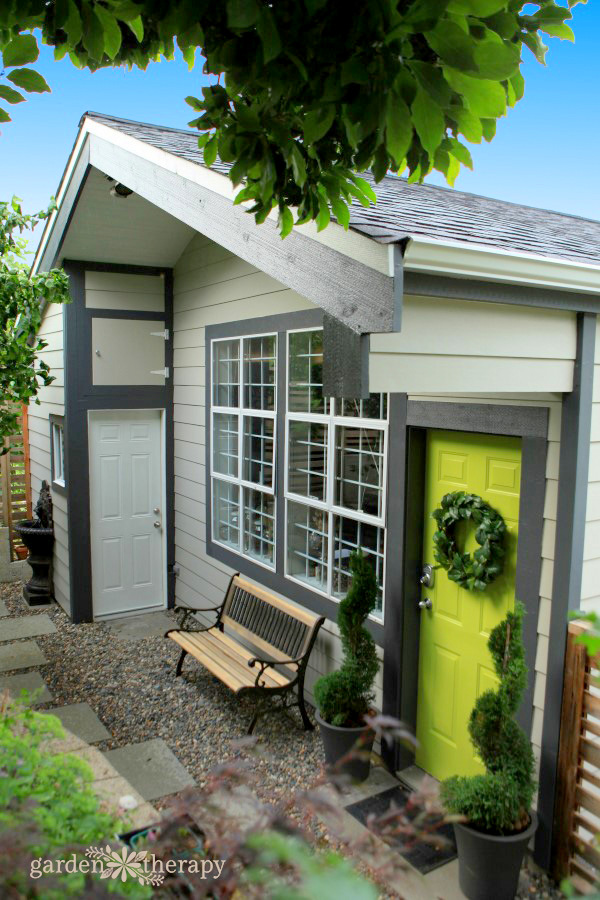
[477, 571]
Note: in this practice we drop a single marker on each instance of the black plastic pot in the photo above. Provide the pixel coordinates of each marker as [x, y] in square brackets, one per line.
[489, 864]
[338, 742]
[40, 542]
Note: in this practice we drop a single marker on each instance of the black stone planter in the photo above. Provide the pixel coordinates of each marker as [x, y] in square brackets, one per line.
[338, 742]
[489, 864]
[39, 541]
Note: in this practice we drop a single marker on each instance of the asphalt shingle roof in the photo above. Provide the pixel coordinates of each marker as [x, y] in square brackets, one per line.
[406, 210]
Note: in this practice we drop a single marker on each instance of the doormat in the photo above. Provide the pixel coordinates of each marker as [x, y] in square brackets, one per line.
[422, 856]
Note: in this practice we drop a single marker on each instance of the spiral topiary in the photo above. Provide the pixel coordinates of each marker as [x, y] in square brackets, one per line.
[499, 801]
[344, 696]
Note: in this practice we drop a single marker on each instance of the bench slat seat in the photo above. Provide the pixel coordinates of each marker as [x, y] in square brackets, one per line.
[281, 637]
[214, 651]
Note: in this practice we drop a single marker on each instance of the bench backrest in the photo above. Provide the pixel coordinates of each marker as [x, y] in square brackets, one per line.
[273, 625]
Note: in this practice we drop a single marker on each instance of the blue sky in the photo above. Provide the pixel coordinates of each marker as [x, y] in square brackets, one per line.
[546, 151]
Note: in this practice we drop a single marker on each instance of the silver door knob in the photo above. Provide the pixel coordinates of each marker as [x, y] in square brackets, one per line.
[425, 604]
[156, 510]
[157, 524]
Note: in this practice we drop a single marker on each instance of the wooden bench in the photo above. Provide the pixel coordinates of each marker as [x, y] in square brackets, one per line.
[284, 635]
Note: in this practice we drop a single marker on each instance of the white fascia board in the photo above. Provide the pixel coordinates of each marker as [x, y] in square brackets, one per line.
[461, 260]
[356, 246]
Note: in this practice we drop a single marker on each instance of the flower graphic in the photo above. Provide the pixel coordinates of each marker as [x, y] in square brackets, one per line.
[124, 864]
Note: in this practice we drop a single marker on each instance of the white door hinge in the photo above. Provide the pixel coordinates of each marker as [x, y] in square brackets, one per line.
[164, 372]
[163, 334]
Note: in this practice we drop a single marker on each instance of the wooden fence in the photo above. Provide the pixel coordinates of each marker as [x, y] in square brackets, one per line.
[15, 484]
[576, 851]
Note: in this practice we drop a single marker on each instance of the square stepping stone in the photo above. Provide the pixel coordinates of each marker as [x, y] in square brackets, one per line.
[25, 627]
[22, 655]
[3, 609]
[151, 768]
[30, 681]
[82, 721]
[134, 628]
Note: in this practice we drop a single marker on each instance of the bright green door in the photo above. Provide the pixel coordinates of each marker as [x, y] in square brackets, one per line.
[454, 662]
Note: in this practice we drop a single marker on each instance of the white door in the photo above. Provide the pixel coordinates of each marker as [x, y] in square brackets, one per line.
[126, 515]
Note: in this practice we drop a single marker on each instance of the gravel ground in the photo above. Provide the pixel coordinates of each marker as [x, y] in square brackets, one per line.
[132, 687]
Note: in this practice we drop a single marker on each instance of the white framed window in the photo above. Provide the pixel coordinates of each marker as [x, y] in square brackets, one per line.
[58, 452]
[332, 479]
[243, 445]
[335, 475]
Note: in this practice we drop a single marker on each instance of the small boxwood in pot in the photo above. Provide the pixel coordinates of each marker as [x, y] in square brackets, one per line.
[496, 805]
[344, 697]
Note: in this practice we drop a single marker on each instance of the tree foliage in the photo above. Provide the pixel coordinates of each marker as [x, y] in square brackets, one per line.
[22, 300]
[310, 92]
[344, 696]
[499, 801]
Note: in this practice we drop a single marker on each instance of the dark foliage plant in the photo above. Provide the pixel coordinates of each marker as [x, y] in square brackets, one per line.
[499, 801]
[344, 696]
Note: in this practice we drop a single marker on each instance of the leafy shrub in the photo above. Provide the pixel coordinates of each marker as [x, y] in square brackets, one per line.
[47, 807]
[499, 801]
[344, 696]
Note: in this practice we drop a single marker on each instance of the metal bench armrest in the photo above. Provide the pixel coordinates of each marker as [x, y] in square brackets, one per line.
[190, 610]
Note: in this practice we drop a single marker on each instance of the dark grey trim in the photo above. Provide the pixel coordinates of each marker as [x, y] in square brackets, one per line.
[142, 314]
[283, 323]
[57, 420]
[358, 295]
[80, 398]
[124, 269]
[520, 421]
[345, 361]
[403, 618]
[447, 287]
[398, 251]
[568, 562]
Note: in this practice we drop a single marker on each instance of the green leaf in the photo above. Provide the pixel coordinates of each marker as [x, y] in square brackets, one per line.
[93, 34]
[354, 72]
[286, 221]
[431, 78]
[452, 45]
[298, 166]
[12, 96]
[324, 216]
[562, 31]
[480, 8]
[496, 58]
[340, 211]
[518, 84]
[21, 50]
[73, 25]
[29, 80]
[459, 151]
[137, 26]
[489, 129]
[398, 127]
[468, 124]
[486, 99]
[364, 186]
[242, 13]
[536, 45]
[189, 56]
[267, 30]
[112, 31]
[428, 121]
[318, 122]
[210, 151]
[4, 116]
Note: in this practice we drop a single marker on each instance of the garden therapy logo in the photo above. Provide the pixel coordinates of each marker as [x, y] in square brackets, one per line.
[126, 865]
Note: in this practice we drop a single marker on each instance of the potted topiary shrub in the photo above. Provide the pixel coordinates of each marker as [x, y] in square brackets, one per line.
[344, 697]
[496, 806]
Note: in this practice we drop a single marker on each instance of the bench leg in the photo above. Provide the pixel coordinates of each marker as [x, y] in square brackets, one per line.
[180, 663]
[308, 725]
[253, 722]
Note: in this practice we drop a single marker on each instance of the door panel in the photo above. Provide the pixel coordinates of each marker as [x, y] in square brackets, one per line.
[126, 487]
[454, 663]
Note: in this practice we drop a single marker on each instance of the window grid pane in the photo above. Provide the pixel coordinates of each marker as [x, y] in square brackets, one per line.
[373, 408]
[359, 467]
[308, 544]
[349, 534]
[226, 513]
[225, 444]
[258, 450]
[306, 372]
[226, 373]
[259, 525]
[259, 372]
[307, 466]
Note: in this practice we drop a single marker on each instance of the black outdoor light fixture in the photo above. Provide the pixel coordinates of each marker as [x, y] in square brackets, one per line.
[119, 190]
